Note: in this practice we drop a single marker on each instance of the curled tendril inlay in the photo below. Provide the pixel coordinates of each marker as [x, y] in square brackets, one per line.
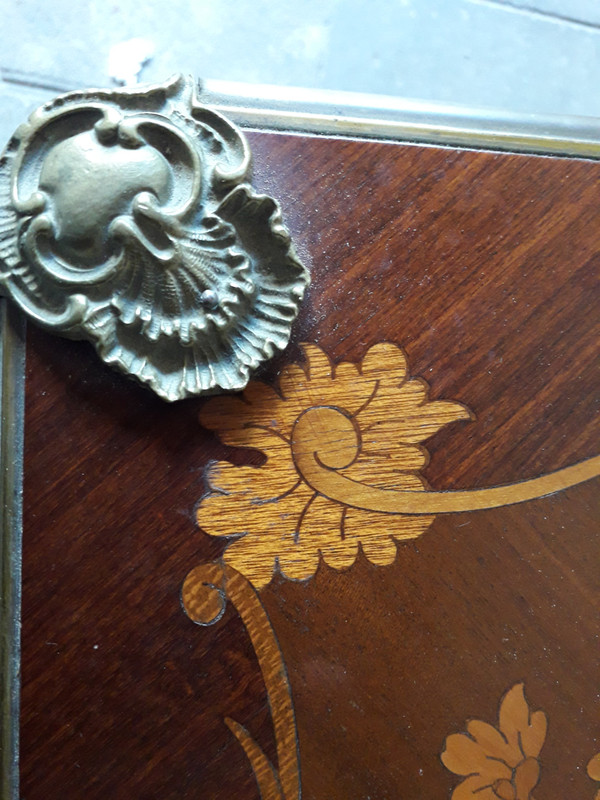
[204, 596]
[125, 219]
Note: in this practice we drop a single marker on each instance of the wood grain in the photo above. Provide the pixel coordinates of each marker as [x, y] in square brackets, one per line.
[484, 267]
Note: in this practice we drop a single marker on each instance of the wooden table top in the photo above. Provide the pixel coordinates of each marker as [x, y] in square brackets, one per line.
[459, 291]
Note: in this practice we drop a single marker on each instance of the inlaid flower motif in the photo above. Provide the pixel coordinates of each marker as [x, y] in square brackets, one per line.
[281, 522]
[499, 763]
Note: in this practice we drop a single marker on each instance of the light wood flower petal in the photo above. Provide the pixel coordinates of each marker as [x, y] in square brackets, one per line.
[405, 416]
[386, 363]
[493, 742]
[385, 465]
[320, 384]
[227, 514]
[464, 756]
[257, 484]
[373, 531]
[241, 513]
[258, 406]
[474, 788]
[271, 534]
[526, 777]
[383, 473]
[242, 425]
[505, 790]
[353, 390]
[523, 730]
[319, 531]
[534, 735]
[322, 529]
[273, 479]
[393, 403]
[249, 557]
[297, 563]
[593, 767]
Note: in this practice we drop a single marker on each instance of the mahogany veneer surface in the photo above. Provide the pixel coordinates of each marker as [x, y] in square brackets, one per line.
[484, 268]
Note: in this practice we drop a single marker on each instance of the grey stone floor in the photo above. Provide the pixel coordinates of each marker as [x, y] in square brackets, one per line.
[540, 56]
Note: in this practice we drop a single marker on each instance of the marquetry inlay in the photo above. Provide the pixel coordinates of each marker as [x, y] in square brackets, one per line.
[344, 449]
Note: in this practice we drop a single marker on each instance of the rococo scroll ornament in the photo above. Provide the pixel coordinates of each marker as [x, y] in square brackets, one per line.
[126, 219]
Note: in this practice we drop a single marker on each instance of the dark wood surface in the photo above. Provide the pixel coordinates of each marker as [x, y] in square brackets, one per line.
[484, 267]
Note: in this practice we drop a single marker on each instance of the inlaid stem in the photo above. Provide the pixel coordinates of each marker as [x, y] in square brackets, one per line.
[316, 439]
[204, 594]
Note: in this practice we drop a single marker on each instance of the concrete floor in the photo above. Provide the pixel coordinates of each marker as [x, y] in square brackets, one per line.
[538, 56]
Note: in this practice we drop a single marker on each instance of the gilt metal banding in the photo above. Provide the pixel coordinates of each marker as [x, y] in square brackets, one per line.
[126, 219]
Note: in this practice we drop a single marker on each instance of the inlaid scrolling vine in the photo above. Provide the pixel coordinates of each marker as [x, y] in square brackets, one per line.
[344, 453]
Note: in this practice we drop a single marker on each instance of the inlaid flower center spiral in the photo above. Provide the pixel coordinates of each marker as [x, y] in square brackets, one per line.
[329, 433]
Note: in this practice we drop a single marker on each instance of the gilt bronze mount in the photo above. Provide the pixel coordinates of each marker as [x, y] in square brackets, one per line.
[127, 219]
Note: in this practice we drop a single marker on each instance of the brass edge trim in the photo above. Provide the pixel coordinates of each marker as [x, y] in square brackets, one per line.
[12, 397]
[357, 115]
[437, 134]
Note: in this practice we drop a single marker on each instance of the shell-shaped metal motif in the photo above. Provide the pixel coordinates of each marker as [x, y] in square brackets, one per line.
[126, 219]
